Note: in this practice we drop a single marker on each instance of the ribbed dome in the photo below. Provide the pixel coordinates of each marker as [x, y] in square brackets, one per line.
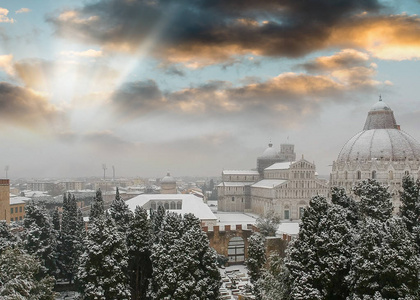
[168, 179]
[270, 152]
[388, 144]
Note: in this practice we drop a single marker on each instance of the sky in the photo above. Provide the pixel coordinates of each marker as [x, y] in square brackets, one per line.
[197, 87]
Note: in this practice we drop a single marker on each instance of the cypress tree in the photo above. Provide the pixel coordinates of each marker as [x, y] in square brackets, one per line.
[120, 213]
[256, 260]
[410, 208]
[97, 207]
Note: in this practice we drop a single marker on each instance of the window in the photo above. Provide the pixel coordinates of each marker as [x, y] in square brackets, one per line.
[359, 175]
[11, 211]
[407, 173]
[233, 198]
[20, 209]
[166, 205]
[390, 175]
[287, 214]
[373, 174]
[345, 175]
[236, 250]
[16, 210]
[153, 205]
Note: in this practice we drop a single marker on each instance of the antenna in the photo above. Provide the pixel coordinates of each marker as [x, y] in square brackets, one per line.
[104, 167]
[6, 169]
[113, 173]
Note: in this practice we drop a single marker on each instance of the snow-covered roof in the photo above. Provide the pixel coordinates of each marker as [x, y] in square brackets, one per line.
[240, 172]
[387, 144]
[280, 166]
[19, 200]
[270, 152]
[268, 183]
[234, 183]
[190, 204]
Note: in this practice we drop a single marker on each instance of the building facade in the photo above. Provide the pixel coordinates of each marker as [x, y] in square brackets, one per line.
[279, 184]
[381, 151]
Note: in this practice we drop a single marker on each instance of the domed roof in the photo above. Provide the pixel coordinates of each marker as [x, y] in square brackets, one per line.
[270, 152]
[168, 179]
[387, 144]
[380, 105]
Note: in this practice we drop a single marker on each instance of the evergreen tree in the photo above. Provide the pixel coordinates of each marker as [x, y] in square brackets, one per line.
[7, 240]
[120, 213]
[184, 266]
[56, 220]
[156, 218]
[139, 245]
[339, 197]
[97, 207]
[69, 240]
[375, 200]
[385, 262]
[410, 208]
[256, 260]
[20, 277]
[101, 272]
[274, 283]
[40, 238]
[319, 259]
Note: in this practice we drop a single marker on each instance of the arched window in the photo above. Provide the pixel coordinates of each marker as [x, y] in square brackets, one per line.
[373, 174]
[406, 173]
[236, 250]
[172, 205]
[179, 205]
[166, 205]
[390, 175]
[359, 175]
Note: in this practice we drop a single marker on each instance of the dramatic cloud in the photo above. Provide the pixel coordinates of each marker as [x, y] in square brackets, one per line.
[290, 95]
[25, 107]
[22, 10]
[199, 33]
[3, 16]
[87, 53]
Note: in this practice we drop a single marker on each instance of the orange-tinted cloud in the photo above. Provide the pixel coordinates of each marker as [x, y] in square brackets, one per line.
[25, 107]
[3, 16]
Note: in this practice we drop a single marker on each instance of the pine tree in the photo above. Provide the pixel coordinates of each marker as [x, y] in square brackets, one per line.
[375, 200]
[274, 283]
[256, 260]
[120, 213]
[101, 272]
[184, 266]
[339, 197]
[20, 277]
[156, 218]
[410, 208]
[97, 207]
[7, 240]
[139, 245]
[56, 220]
[385, 262]
[69, 240]
[40, 238]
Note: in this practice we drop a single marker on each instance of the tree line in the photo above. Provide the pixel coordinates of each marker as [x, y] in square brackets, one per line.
[121, 255]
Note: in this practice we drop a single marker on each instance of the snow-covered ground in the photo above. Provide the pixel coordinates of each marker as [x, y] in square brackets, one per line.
[234, 281]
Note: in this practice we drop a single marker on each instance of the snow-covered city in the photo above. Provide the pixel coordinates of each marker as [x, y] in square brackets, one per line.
[209, 149]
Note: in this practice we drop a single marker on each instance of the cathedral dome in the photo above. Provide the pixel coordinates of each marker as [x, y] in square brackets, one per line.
[387, 144]
[270, 152]
[168, 179]
[381, 138]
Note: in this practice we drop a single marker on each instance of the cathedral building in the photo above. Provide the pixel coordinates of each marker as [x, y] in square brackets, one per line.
[381, 151]
[279, 184]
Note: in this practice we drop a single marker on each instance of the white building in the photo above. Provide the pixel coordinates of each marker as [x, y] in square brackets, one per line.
[279, 185]
[178, 203]
[381, 151]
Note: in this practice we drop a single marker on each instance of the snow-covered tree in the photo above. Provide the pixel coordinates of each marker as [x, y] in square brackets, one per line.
[40, 239]
[256, 259]
[120, 213]
[97, 207]
[101, 273]
[385, 262]
[375, 200]
[70, 239]
[184, 265]
[56, 220]
[157, 218]
[274, 283]
[7, 240]
[339, 197]
[319, 259]
[20, 277]
[410, 208]
[139, 243]
[269, 223]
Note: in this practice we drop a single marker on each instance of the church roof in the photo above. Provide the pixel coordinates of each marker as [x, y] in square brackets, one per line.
[240, 172]
[280, 166]
[268, 183]
[168, 179]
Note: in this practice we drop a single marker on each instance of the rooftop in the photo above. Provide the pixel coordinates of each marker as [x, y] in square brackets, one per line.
[268, 183]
